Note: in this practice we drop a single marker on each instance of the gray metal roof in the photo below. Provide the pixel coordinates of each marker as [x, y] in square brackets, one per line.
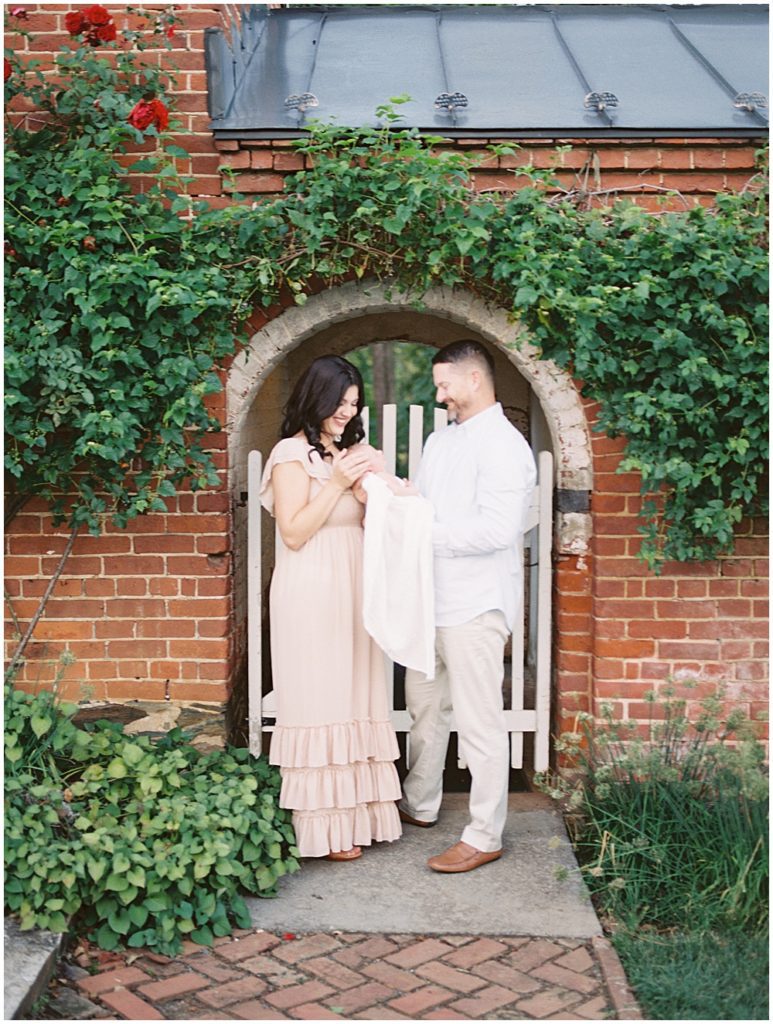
[528, 70]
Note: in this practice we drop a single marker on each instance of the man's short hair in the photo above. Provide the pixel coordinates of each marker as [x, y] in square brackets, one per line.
[465, 351]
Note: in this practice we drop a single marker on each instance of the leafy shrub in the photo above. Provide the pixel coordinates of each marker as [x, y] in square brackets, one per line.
[671, 830]
[140, 842]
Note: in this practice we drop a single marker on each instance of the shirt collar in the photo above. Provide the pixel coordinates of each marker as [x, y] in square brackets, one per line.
[481, 419]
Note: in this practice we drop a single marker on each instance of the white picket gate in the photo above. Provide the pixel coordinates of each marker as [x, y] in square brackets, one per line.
[537, 542]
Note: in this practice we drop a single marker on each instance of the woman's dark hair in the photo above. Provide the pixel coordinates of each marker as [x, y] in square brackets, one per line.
[317, 395]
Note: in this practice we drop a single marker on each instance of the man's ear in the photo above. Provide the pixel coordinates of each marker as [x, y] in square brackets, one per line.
[475, 379]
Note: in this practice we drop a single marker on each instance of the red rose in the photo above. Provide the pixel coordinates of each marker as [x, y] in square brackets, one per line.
[96, 14]
[7, 69]
[74, 23]
[94, 21]
[148, 112]
[102, 34]
[20, 13]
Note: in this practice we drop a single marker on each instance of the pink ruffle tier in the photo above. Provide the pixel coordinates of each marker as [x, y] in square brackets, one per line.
[340, 782]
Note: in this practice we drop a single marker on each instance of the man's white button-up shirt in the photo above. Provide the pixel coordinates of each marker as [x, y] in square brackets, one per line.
[479, 476]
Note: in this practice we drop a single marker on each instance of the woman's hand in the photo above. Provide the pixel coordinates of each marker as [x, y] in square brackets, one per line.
[348, 467]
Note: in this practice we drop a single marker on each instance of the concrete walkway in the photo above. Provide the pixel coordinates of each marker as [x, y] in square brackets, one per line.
[385, 938]
[535, 889]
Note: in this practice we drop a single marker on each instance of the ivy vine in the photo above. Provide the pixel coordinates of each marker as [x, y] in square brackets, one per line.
[121, 308]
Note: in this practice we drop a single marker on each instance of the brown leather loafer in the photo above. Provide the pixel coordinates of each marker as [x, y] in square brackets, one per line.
[414, 821]
[461, 857]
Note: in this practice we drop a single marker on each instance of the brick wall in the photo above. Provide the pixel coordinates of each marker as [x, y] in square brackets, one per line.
[147, 613]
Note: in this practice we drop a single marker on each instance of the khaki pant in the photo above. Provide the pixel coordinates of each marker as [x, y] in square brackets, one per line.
[469, 669]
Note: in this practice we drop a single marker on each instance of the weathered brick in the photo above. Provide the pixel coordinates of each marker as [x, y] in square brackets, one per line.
[418, 953]
[122, 977]
[421, 999]
[310, 991]
[130, 1006]
[175, 986]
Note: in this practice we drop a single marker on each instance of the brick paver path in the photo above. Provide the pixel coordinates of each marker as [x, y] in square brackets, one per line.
[257, 975]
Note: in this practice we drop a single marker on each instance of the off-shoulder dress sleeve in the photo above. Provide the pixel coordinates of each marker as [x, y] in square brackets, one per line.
[290, 449]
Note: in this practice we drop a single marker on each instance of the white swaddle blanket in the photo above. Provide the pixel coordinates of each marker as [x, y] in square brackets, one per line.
[398, 594]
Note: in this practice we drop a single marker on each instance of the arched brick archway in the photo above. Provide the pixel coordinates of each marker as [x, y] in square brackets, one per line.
[356, 313]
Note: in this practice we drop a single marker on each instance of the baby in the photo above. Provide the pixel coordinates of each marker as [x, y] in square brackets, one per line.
[402, 488]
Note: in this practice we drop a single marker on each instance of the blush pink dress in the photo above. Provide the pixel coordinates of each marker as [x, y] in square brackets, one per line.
[334, 741]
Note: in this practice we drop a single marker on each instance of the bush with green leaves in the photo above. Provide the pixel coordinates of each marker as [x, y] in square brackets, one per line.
[137, 842]
[671, 830]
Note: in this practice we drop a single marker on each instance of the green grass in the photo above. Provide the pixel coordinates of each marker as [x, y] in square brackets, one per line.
[672, 835]
[697, 976]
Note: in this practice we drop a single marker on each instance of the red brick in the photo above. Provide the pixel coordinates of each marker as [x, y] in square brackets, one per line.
[219, 995]
[255, 1010]
[177, 985]
[688, 650]
[668, 629]
[372, 948]
[421, 999]
[310, 991]
[394, 977]
[534, 953]
[564, 978]
[75, 609]
[131, 587]
[64, 630]
[449, 977]
[482, 1003]
[165, 628]
[624, 648]
[135, 609]
[287, 162]
[356, 999]
[476, 952]
[108, 980]
[213, 968]
[335, 973]
[314, 1011]
[135, 689]
[418, 953]
[545, 1004]
[240, 948]
[252, 183]
[164, 543]
[624, 609]
[507, 977]
[199, 608]
[277, 974]
[594, 1009]
[306, 947]
[130, 1006]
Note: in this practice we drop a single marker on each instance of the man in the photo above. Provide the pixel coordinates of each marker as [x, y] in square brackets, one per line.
[478, 473]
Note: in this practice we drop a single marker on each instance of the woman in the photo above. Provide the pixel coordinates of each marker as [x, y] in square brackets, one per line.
[333, 741]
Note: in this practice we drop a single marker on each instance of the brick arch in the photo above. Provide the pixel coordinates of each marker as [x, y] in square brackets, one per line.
[553, 388]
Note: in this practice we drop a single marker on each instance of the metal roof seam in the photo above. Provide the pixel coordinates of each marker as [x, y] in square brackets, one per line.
[702, 59]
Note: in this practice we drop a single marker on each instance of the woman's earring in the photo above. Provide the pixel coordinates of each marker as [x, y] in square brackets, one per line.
[337, 438]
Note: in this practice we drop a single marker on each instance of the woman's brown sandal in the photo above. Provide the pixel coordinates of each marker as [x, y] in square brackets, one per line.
[352, 854]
